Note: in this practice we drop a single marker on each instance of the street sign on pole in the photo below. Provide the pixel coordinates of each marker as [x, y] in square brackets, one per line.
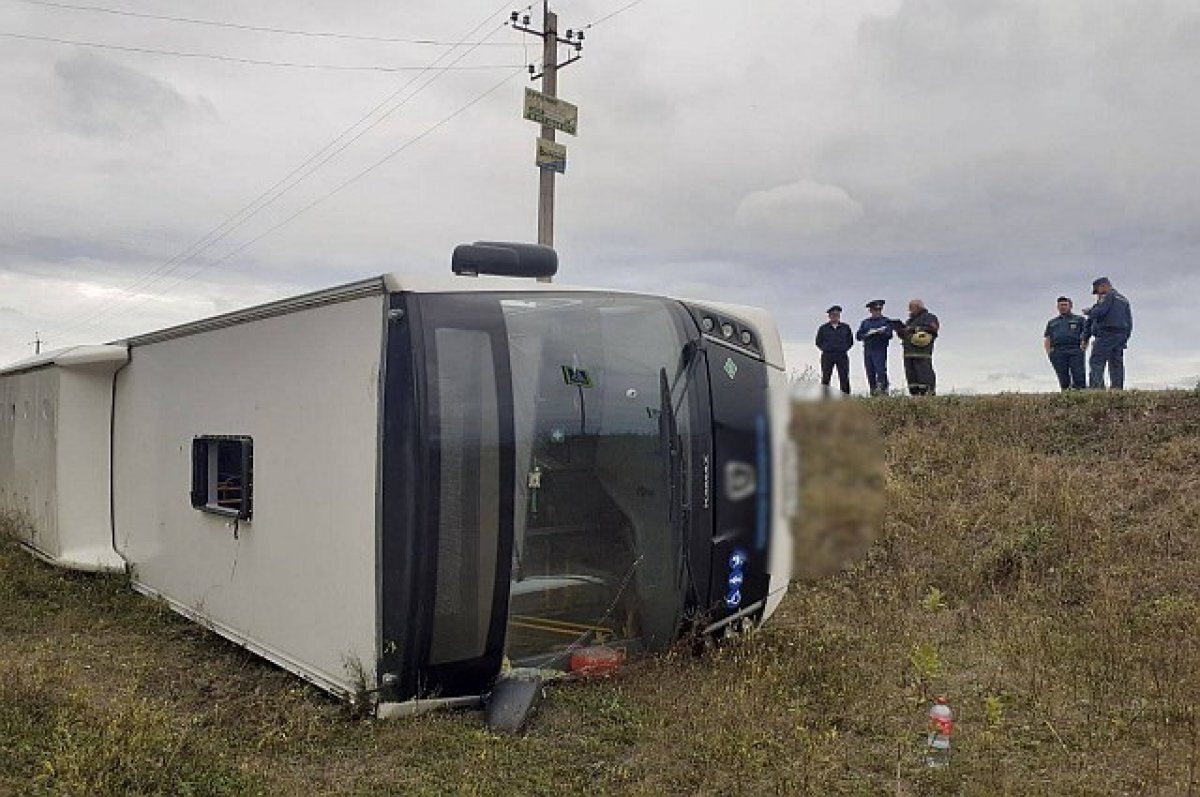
[551, 111]
[551, 155]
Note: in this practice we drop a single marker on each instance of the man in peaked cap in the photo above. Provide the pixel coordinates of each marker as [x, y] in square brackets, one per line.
[835, 341]
[874, 333]
[1110, 323]
[1064, 340]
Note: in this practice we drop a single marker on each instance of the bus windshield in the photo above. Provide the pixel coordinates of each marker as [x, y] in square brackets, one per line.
[594, 466]
[594, 555]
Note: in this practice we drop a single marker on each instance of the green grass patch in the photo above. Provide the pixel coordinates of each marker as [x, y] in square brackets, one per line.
[1036, 561]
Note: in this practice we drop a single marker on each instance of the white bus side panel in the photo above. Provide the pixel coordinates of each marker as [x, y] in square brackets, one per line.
[84, 509]
[296, 583]
[54, 456]
[29, 455]
[784, 490]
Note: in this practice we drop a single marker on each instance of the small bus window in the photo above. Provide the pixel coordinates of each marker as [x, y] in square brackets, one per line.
[222, 470]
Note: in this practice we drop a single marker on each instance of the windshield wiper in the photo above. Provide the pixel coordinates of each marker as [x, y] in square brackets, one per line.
[679, 499]
[668, 434]
[687, 358]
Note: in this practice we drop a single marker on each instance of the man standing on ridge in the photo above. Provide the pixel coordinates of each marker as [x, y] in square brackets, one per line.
[918, 334]
[834, 339]
[1110, 323]
[875, 332]
[1065, 339]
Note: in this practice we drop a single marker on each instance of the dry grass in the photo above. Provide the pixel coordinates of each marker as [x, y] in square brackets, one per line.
[1038, 564]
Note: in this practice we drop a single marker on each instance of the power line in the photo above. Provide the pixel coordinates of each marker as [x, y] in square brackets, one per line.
[282, 186]
[314, 162]
[238, 60]
[380, 162]
[258, 28]
[317, 160]
[607, 17]
[329, 194]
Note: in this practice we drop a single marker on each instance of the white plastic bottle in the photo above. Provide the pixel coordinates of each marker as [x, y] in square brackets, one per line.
[941, 726]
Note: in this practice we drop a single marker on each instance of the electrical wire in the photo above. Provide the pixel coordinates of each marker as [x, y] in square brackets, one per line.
[329, 194]
[257, 28]
[380, 162]
[236, 59]
[607, 17]
[297, 175]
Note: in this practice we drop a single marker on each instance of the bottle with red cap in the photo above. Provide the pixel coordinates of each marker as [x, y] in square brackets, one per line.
[941, 726]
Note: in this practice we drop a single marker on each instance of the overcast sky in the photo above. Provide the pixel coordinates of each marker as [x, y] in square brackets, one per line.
[985, 156]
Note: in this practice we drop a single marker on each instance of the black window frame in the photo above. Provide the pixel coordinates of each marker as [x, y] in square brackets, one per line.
[411, 523]
[201, 492]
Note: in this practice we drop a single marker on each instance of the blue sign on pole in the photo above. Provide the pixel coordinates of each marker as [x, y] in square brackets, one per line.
[551, 155]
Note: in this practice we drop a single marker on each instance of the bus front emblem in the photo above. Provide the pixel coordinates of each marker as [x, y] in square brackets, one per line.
[741, 481]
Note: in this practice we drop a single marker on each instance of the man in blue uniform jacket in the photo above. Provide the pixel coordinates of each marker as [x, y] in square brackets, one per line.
[874, 333]
[835, 341]
[1110, 323]
[1065, 339]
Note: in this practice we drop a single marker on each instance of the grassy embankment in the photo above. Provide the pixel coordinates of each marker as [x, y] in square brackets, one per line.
[1038, 564]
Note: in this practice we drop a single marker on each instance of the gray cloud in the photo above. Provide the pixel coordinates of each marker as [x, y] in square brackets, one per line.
[21, 252]
[985, 156]
[803, 208]
[1019, 120]
[103, 98]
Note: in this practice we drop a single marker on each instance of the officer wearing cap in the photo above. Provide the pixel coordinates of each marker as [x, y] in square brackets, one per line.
[1065, 339]
[1110, 323]
[874, 333]
[835, 340]
[918, 334]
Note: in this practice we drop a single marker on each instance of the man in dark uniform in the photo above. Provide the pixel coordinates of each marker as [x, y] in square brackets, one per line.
[874, 332]
[1065, 339]
[918, 334]
[834, 339]
[1110, 323]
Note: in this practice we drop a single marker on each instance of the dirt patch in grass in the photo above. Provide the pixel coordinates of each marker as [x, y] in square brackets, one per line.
[1037, 563]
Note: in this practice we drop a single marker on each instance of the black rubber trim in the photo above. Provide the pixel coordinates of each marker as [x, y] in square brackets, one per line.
[405, 478]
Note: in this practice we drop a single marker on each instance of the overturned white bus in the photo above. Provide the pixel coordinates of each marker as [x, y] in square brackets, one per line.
[401, 484]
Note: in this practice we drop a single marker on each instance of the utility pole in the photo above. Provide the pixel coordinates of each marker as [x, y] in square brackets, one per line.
[550, 88]
[550, 112]
[37, 343]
